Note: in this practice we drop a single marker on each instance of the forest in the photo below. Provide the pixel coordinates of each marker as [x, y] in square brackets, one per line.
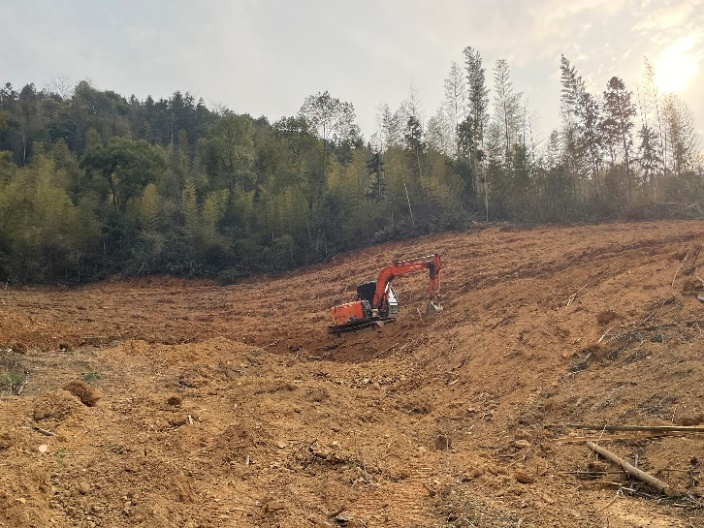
[95, 185]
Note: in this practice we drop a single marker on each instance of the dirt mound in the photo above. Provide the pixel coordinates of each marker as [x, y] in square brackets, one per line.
[54, 407]
[233, 406]
[84, 392]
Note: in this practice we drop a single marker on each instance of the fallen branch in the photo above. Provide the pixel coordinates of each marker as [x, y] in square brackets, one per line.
[693, 265]
[613, 438]
[604, 335]
[43, 431]
[574, 295]
[672, 285]
[667, 300]
[632, 470]
[649, 428]
[24, 384]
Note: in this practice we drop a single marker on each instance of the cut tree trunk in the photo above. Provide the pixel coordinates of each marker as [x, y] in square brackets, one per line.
[632, 470]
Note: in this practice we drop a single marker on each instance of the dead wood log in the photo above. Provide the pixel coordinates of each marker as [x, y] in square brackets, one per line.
[632, 470]
[648, 428]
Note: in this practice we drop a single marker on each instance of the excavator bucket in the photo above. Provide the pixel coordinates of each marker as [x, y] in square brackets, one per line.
[433, 308]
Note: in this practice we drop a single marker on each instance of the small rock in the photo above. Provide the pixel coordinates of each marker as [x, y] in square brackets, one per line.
[523, 477]
[83, 488]
[43, 449]
[274, 506]
[522, 444]
[281, 444]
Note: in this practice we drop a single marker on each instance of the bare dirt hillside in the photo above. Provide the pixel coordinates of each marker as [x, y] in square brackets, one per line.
[181, 403]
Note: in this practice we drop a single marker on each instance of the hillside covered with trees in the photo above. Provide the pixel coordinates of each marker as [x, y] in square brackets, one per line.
[93, 184]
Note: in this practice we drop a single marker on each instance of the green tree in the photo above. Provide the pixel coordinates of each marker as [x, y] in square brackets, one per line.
[303, 166]
[377, 185]
[472, 129]
[228, 152]
[123, 168]
[29, 116]
[648, 157]
[583, 138]
[47, 236]
[617, 125]
[478, 96]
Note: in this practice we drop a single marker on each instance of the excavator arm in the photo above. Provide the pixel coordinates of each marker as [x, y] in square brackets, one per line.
[431, 262]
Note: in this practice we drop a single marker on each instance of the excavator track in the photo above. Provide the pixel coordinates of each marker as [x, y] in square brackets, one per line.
[355, 326]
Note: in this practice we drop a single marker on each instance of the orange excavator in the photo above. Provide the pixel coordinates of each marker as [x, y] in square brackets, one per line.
[377, 301]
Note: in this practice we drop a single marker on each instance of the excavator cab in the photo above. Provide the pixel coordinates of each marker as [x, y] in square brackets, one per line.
[366, 292]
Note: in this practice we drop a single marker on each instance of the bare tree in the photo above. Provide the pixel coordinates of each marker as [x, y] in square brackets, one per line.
[455, 105]
[652, 98]
[389, 126]
[63, 86]
[680, 132]
[332, 119]
[509, 113]
[441, 133]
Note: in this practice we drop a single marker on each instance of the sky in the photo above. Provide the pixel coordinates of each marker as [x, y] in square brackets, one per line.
[264, 57]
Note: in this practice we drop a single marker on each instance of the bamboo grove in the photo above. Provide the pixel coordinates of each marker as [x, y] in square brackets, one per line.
[93, 184]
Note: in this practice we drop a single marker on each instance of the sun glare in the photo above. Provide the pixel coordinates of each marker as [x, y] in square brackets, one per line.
[676, 65]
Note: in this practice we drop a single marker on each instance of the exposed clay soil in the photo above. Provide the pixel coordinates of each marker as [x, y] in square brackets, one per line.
[183, 403]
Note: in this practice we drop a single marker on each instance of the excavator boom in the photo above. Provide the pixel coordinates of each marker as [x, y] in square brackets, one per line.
[431, 262]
